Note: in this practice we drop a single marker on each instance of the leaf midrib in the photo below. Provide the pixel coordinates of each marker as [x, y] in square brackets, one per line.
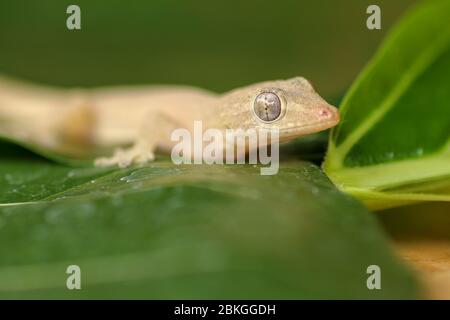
[395, 173]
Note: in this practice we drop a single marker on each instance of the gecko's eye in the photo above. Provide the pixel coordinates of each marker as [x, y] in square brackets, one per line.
[267, 106]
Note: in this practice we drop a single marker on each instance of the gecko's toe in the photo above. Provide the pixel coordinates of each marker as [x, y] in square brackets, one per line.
[125, 158]
[103, 162]
[145, 157]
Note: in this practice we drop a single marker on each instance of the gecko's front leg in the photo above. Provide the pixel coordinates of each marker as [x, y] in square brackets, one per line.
[156, 129]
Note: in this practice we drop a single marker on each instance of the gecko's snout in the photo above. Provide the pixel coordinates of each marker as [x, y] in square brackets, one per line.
[329, 114]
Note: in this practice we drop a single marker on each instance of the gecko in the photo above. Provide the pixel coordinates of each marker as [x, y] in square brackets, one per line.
[143, 117]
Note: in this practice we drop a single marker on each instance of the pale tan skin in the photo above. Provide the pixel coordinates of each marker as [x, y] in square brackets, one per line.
[145, 116]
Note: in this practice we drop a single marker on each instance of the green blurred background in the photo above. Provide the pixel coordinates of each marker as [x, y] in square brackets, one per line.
[218, 45]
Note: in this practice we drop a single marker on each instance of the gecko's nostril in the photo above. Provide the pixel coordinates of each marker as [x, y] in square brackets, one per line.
[325, 113]
[329, 112]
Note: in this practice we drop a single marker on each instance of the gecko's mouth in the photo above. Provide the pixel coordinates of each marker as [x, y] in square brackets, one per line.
[310, 128]
[294, 132]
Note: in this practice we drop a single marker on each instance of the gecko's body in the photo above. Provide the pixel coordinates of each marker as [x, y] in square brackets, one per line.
[146, 116]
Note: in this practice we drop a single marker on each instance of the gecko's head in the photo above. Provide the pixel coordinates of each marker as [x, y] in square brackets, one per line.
[293, 107]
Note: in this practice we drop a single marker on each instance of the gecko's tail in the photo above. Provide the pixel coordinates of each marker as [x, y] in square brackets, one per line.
[46, 116]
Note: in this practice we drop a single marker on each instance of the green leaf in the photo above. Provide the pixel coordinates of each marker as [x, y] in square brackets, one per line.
[165, 231]
[392, 146]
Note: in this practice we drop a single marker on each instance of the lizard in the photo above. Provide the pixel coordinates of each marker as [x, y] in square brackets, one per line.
[143, 117]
